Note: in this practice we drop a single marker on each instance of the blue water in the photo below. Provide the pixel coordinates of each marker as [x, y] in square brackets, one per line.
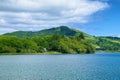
[99, 66]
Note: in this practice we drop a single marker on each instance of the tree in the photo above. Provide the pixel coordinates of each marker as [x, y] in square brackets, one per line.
[80, 36]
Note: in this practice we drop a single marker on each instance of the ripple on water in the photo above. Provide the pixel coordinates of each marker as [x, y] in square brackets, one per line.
[60, 67]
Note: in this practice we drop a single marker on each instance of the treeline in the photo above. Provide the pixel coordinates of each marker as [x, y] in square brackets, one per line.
[53, 43]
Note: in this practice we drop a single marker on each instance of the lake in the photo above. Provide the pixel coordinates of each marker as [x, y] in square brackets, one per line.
[99, 66]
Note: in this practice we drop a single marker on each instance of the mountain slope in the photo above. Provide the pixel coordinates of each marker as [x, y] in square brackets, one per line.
[100, 43]
[105, 43]
[53, 43]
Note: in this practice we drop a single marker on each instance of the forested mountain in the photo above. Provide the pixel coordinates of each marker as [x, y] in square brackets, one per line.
[47, 44]
[99, 43]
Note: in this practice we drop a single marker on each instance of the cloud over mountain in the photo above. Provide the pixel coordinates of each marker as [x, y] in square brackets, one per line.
[41, 14]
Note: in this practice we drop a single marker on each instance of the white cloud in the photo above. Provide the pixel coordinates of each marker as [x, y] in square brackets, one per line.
[40, 14]
[2, 21]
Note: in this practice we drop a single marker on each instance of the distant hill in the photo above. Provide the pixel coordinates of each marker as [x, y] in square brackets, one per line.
[106, 43]
[100, 43]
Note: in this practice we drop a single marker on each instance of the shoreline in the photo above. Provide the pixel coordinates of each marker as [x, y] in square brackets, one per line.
[55, 53]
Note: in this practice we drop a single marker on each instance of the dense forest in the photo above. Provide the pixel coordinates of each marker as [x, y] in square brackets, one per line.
[47, 44]
[56, 40]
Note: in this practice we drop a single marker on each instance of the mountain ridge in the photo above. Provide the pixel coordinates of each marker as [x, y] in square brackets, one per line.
[62, 30]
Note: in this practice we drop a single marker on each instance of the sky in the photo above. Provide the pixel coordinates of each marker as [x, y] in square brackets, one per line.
[95, 17]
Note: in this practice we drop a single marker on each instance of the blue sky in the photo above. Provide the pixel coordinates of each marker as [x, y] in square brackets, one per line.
[107, 22]
[95, 17]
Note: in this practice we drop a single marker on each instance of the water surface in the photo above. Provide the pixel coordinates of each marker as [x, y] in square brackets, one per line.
[99, 66]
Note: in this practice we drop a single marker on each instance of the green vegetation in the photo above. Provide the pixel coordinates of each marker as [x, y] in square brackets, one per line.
[106, 43]
[54, 43]
[9, 44]
[58, 40]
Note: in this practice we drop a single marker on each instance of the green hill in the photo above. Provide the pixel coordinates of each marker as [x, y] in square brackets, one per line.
[100, 43]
